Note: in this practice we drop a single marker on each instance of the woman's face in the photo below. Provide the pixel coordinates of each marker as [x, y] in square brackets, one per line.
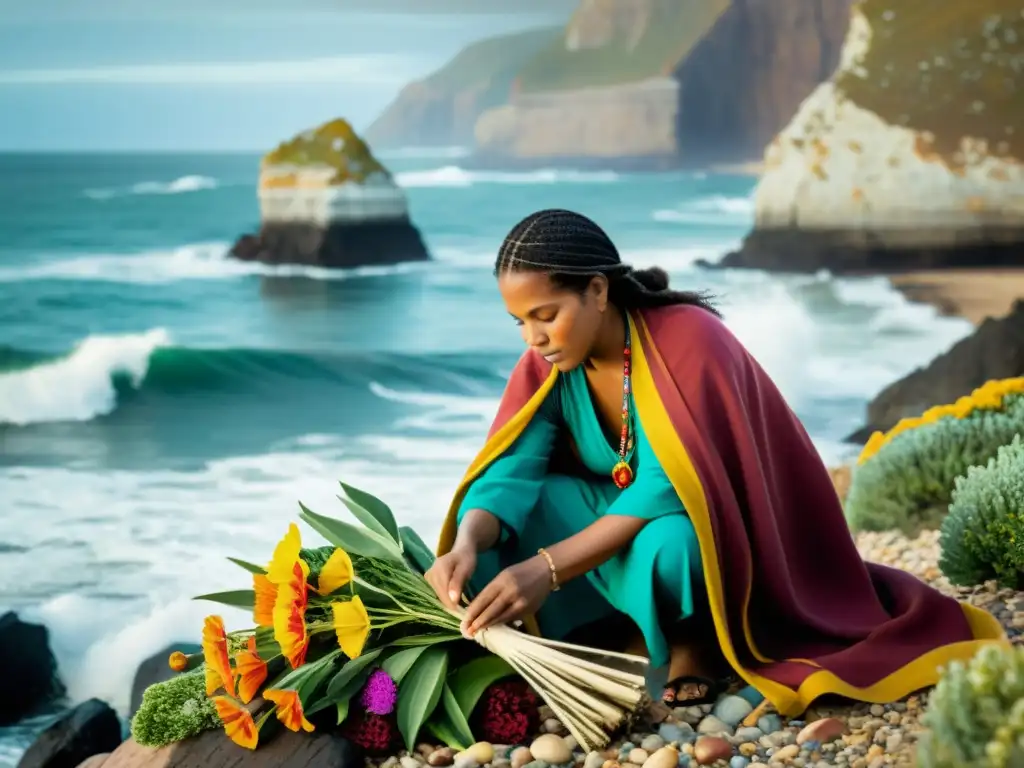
[562, 325]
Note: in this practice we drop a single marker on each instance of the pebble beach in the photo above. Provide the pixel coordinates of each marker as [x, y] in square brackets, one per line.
[729, 734]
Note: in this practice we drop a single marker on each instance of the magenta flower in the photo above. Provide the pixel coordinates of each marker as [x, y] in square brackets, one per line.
[379, 693]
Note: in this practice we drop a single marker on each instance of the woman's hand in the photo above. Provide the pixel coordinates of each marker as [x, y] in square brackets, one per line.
[515, 592]
[449, 574]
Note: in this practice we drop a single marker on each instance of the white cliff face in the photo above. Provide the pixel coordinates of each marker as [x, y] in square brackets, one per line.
[840, 165]
[309, 194]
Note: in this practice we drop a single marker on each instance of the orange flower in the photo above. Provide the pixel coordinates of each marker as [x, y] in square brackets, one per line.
[289, 709]
[252, 671]
[266, 594]
[178, 661]
[290, 615]
[238, 722]
[215, 651]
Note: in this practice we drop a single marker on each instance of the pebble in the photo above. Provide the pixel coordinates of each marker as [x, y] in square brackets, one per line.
[441, 757]
[713, 726]
[409, 762]
[593, 760]
[739, 761]
[708, 749]
[652, 743]
[637, 756]
[521, 756]
[480, 753]
[732, 709]
[663, 757]
[552, 725]
[676, 732]
[551, 749]
[748, 733]
[824, 730]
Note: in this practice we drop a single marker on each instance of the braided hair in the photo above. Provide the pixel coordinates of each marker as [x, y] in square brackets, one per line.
[573, 250]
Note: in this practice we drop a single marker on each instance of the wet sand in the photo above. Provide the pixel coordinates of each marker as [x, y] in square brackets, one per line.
[973, 294]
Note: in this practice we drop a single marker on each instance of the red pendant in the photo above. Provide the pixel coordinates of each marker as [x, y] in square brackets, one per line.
[622, 474]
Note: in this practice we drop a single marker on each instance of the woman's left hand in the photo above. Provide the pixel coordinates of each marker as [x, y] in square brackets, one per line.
[516, 591]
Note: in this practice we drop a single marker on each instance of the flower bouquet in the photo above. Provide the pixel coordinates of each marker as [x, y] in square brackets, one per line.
[356, 621]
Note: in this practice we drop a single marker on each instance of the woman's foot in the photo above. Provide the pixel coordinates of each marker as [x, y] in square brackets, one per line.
[688, 690]
[689, 681]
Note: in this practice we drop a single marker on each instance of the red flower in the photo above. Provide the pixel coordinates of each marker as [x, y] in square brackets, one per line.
[507, 713]
[376, 734]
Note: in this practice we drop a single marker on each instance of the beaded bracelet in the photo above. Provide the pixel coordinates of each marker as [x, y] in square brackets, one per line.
[551, 565]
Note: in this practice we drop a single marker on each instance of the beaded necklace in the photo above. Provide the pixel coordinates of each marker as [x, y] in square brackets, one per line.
[622, 473]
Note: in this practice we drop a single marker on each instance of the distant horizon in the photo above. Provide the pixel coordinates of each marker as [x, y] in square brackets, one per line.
[141, 78]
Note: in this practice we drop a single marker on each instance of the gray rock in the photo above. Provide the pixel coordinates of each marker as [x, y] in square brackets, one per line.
[732, 709]
[748, 734]
[769, 723]
[91, 728]
[677, 732]
[652, 743]
[713, 726]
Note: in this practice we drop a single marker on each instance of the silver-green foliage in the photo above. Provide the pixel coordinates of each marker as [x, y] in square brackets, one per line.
[983, 535]
[173, 710]
[975, 714]
[908, 484]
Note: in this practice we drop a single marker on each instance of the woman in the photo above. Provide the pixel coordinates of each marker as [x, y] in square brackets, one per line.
[643, 465]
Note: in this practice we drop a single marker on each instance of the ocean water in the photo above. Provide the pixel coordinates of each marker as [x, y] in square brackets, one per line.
[162, 407]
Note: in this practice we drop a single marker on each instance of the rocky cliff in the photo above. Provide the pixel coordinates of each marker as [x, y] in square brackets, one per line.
[911, 156]
[326, 201]
[647, 82]
[441, 110]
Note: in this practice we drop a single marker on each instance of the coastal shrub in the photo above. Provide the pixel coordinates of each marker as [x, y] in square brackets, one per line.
[904, 478]
[975, 714]
[174, 709]
[983, 535]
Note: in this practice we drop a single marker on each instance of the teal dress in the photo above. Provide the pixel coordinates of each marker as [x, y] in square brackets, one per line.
[652, 580]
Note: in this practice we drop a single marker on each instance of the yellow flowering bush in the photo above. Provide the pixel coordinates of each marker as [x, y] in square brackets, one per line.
[983, 536]
[975, 714]
[904, 478]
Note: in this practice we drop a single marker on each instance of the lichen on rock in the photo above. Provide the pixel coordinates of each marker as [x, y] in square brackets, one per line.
[333, 144]
[948, 71]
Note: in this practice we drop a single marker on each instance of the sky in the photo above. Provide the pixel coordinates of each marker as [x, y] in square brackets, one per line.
[222, 75]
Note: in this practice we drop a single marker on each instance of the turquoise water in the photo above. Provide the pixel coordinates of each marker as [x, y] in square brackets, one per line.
[162, 407]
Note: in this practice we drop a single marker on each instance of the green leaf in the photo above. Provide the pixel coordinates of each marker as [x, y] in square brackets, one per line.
[377, 509]
[308, 687]
[342, 711]
[420, 693]
[469, 681]
[444, 732]
[457, 720]
[266, 645]
[400, 663]
[294, 678]
[239, 598]
[351, 670]
[355, 541]
[411, 640]
[418, 554]
[250, 567]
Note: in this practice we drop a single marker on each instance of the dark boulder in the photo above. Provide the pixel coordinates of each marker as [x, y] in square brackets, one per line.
[27, 666]
[91, 728]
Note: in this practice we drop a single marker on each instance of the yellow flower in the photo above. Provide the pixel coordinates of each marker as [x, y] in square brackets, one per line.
[352, 625]
[289, 709]
[252, 671]
[290, 615]
[336, 573]
[989, 396]
[238, 722]
[178, 661]
[285, 554]
[266, 594]
[215, 652]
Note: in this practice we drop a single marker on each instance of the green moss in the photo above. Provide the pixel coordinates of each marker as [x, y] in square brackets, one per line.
[174, 710]
[674, 30]
[335, 144]
[952, 69]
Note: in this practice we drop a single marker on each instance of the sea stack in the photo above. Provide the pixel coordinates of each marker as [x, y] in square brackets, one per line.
[911, 156]
[325, 201]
